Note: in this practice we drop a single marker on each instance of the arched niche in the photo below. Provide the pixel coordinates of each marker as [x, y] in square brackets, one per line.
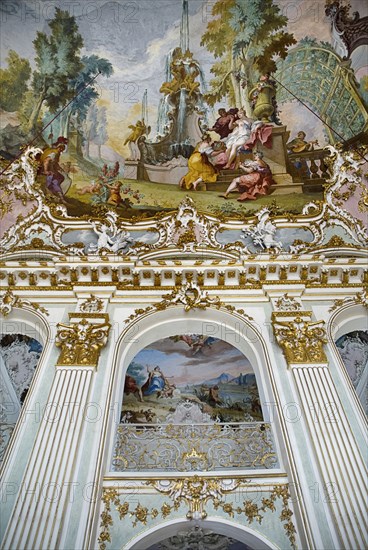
[245, 335]
[343, 332]
[24, 338]
[249, 539]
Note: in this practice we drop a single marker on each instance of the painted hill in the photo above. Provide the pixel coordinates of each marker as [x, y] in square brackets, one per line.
[224, 378]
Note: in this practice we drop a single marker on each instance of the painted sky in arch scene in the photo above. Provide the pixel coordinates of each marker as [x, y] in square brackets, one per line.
[176, 359]
[135, 36]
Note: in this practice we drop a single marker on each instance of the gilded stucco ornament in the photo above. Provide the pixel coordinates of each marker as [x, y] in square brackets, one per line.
[91, 305]
[359, 298]
[187, 230]
[8, 301]
[21, 177]
[190, 296]
[81, 342]
[301, 341]
[347, 179]
[195, 492]
[287, 303]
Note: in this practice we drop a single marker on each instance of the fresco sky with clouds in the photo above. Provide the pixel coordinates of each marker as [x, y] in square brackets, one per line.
[176, 359]
[135, 36]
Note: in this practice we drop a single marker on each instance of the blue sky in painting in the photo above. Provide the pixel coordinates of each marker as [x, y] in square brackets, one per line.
[176, 359]
[136, 36]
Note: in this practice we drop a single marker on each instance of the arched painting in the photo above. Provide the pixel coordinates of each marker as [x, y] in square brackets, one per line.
[19, 356]
[194, 368]
[353, 348]
[191, 402]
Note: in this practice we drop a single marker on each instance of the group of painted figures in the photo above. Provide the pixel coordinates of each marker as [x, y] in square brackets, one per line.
[157, 383]
[238, 133]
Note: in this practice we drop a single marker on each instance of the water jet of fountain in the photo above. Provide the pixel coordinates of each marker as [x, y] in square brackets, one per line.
[181, 115]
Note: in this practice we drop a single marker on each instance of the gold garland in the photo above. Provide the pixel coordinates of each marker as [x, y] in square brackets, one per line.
[195, 492]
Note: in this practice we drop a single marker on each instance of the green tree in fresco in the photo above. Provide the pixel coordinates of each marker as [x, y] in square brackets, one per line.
[13, 81]
[245, 36]
[84, 91]
[58, 62]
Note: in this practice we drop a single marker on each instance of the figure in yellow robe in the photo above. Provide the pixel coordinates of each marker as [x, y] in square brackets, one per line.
[200, 168]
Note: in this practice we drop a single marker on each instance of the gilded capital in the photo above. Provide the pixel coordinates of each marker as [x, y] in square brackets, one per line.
[81, 342]
[301, 340]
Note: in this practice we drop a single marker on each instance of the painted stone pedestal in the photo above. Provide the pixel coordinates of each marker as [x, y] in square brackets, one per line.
[276, 157]
[131, 169]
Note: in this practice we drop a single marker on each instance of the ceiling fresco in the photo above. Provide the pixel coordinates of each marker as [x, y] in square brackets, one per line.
[124, 111]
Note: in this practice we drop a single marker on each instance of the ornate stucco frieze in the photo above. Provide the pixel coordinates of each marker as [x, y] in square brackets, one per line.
[91, 305]
[190, 296]
[287, 303]
[263, 233]
[195, 492]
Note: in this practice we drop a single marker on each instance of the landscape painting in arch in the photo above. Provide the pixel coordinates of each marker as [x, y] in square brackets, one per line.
[136, 104]
[190, 369]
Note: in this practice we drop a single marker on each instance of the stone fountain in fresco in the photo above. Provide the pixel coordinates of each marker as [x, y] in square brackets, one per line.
[181, 113]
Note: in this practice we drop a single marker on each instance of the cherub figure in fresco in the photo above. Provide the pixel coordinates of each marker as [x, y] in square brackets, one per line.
[137, 130]
[114, 193]
[256, 181]
[50, 162]
[93, 187]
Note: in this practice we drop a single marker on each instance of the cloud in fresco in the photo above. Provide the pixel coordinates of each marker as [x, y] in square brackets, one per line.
[176, 360]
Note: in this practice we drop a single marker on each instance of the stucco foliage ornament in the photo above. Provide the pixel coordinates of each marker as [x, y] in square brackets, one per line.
[263, 234]
[186, 230]
[195, 492]
[347, 179]
[301, 341]
[287, 303]
[190, 296]
[359, 298]
[81, 342]
[21, 178]
[91, 304]
[8, 301]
